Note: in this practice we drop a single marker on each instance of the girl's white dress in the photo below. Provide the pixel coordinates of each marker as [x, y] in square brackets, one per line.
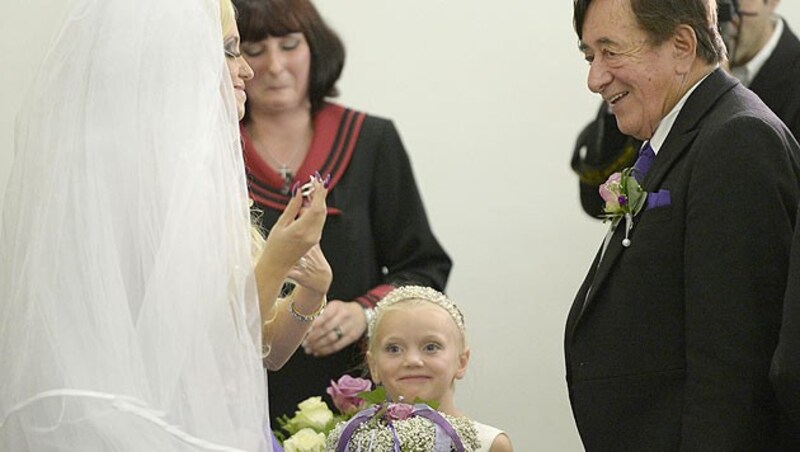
[486, 435]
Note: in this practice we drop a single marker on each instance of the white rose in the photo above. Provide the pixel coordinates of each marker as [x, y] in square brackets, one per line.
[313, 413]
[306, 440]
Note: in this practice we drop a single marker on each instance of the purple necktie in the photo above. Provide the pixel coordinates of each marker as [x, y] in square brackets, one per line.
[644, 162]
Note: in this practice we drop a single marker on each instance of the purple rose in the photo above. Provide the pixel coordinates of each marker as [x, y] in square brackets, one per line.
[611, 192]
[345, 393]
[399, 411]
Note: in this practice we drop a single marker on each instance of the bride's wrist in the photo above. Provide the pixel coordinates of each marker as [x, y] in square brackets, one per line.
[314, 293]
[302, 310]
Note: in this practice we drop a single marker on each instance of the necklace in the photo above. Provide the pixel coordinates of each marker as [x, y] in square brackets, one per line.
[297, 149]
[284, 170]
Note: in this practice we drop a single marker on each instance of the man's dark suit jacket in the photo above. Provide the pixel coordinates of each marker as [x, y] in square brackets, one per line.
[776, 84]
[785, 372]
[671, 348]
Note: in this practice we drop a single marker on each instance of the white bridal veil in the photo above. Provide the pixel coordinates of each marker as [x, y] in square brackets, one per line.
[128, 315]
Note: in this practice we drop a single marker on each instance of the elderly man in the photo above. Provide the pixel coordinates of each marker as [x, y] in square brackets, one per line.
[764, 55]
[669, 340]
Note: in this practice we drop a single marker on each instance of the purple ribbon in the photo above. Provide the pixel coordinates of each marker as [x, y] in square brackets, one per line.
[442, 428]
[276, 446]
[352, 425]
[395, 438]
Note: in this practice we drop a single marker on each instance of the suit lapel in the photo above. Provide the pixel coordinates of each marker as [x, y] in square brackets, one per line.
[677, 143]
[603, 267]
[773, 76]
[685, 127]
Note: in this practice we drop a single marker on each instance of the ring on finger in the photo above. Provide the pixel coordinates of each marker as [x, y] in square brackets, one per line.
[338, 332]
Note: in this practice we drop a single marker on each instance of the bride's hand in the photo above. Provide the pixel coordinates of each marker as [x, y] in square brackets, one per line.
[298, 228]
[312, 272]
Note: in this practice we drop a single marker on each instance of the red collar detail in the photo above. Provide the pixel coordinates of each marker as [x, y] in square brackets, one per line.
[336, 131]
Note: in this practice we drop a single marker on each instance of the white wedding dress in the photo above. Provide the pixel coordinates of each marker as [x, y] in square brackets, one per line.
[128, 312]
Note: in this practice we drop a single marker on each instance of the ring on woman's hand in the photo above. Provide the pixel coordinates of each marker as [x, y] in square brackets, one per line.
[338, 332]
[302, 263]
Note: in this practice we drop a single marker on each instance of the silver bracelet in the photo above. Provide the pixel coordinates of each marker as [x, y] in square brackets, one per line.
[310, 317]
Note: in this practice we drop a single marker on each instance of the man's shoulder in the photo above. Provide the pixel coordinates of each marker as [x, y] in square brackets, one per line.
[783, 62]
[789, 39]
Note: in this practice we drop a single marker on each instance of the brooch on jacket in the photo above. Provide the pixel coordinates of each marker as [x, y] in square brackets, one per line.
[624, 198]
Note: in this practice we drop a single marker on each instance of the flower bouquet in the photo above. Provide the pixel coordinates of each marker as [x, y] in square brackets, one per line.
[307, 429]
[367, 421]
[401, 427]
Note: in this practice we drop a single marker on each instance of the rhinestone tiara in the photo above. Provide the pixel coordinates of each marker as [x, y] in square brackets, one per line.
[406, 293]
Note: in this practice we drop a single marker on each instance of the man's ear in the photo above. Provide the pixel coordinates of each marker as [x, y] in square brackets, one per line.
[684, 48]
[373, 368]
[463, 361]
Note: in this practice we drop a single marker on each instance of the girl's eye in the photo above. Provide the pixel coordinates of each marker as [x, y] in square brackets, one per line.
[232, 54]
[432, 347]
[392, 348]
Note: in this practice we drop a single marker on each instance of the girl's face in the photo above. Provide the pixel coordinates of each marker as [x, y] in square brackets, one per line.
[282, 65]
[418, 352]
[238, 68]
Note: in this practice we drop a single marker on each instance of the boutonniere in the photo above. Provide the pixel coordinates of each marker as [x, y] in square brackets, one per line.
[624, 198]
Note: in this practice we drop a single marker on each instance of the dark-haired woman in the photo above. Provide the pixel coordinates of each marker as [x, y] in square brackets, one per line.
[377, 234]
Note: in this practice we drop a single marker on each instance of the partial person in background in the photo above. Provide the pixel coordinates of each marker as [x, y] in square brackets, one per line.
[377, 234]
[764, 54]
[785, 371]
[128, 311]
[669, 340]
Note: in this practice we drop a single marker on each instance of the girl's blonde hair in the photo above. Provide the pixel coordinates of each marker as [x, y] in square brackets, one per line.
[407, 296]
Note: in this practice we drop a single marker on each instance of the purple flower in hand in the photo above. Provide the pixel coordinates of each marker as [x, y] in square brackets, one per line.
[345, 393]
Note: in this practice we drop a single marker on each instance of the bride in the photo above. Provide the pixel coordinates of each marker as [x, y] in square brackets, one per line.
[129, 311]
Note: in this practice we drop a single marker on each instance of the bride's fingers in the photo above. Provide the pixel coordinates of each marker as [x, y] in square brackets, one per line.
[315, 187]
[292, 210]
[316, 199]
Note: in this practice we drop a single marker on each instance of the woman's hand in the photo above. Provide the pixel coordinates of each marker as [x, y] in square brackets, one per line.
[312, 272]
[297, 230]
[339, 325]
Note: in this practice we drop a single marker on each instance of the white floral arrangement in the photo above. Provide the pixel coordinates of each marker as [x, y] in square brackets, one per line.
[368, 422]
[391, 427]
[307, 429]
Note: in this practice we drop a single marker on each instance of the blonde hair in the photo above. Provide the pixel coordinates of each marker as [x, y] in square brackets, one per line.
[227, 15]
[409, 296]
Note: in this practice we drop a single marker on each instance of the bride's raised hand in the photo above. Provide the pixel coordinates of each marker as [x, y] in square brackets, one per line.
[298, 228]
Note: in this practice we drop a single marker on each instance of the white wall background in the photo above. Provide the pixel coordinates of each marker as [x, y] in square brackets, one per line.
[488, 97]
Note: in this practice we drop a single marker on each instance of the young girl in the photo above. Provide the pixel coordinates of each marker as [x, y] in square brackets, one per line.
[417, 349]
